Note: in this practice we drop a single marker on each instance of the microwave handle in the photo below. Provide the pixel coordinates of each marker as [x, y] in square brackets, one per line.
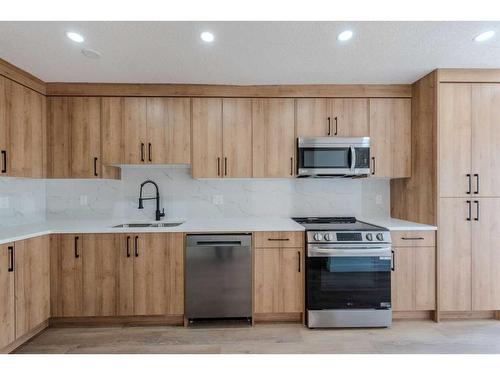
[353, 157]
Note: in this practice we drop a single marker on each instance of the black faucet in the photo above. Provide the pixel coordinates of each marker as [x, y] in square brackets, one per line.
[159, 214]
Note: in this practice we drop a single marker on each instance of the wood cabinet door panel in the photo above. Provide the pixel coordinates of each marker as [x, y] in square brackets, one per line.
[273, 138]
[403, 279]
[311, 117]
[178, 131]
[206, 137]
[348, 117]
[237, 137]
[32, 290]
[486, 139]
[455, 134]
[59, 137]
[4, 129]
[454, 243]
[125, 287]
[134, 130]
[7, 303]
[267, 280]
[157, 124]
[111, 136]
[100, 274]
[401, 138]
[174, 272]
[425, 278]
[291, 281]
[486, 254]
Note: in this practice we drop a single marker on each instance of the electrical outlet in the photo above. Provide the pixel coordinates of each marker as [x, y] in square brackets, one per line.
[218, 199]
[84, 200]
[378, 199]
[4, 202]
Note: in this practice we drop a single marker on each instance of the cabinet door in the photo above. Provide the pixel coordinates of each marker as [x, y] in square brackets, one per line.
[4, 134]
[311, 118]
[390, 137]
[25, 121]
[85, 119]
[207, 137]
[7, 305]
[237, 137]
[111, 136]
[178, 131]
[291, 281]
[125, 287]
[403, 279]
[454, 243]
[134, 130]
[455, 133]
[425, 277]
[66, 275]
[273, 137]
[149, 275]
[157, 124]
[486, 139]
[59, 137]
[348, 117]
[100, 273]
[174, 273]
[486, 254]
[32, 274]
[267, 280]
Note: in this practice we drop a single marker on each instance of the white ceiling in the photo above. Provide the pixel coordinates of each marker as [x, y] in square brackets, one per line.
[247, 52]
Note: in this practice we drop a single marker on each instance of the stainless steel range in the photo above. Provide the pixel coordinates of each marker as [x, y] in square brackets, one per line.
[348, 273]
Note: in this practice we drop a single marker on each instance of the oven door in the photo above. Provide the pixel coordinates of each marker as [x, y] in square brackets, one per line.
[348, 277]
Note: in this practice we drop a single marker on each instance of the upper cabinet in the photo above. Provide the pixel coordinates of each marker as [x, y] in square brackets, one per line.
[156, 131]
[273, 137]
[344, 117]
[222, 137]
[469, 140]
[22, 128]
[390, 137]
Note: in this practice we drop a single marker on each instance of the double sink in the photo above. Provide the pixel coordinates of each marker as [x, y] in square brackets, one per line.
[149, 225]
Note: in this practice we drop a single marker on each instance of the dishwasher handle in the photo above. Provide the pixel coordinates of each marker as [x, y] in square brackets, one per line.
[218, 240]
[218, 243]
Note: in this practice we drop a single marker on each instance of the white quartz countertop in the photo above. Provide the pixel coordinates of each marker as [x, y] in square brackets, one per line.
[22, 232]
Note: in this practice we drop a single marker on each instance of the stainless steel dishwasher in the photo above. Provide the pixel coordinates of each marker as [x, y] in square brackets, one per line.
[218, 276]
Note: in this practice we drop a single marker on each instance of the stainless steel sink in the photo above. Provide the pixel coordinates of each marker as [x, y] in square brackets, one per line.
[149, 225]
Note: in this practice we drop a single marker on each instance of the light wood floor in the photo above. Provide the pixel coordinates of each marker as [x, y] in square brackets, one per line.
[480, 336]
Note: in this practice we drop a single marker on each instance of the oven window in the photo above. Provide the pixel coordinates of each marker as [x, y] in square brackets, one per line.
[348, 282]
[325, 158]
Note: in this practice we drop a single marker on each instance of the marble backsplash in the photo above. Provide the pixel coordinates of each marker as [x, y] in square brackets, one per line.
[24, 201]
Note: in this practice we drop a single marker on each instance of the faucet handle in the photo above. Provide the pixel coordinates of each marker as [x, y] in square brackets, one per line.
[162, 213]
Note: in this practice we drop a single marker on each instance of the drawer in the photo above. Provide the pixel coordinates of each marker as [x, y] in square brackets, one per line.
[413, 238]
[279, 239]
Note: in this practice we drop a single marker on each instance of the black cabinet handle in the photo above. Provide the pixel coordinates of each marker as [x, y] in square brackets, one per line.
[218, 166]
[469, 211]
[95, 167]
[336, 125]
[373, 164]
[477, 183]
[128, 246]
[393, 267]
[298, 252]
[291, 166]
[412, 238]
[470, 184]
[329, 126]
[136, 246]
[477, 211]
[150, 153]
[278, 239]
[4, 163]
[11, 259]
[77, 254]
[225, 166]
[142, 152]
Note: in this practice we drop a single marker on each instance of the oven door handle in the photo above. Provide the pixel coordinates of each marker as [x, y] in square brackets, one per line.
[315, 251]
[353, 158]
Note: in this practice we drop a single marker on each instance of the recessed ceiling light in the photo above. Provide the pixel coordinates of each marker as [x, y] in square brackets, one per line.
[75, 37]
[207, 36]
[91, 53]
[484, 36]
[345, 35]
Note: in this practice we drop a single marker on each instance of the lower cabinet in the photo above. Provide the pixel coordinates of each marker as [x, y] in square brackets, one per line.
[7, 302]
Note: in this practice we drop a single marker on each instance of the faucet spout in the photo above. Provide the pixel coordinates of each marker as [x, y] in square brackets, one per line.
[158, 214]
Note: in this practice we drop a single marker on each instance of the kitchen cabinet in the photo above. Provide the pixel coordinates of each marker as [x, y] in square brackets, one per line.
[279, 239]
[344, 117]
[222, 137]
[273, 138]
[22, 127]
[111, 136]
[32, 283]
[7, 302]
[390, 137]
[156, 130]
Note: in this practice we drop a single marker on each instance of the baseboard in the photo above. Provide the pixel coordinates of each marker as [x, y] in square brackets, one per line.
[277, 317]
[98, 321]
[24, 338]
[456, 315]
[413, 315]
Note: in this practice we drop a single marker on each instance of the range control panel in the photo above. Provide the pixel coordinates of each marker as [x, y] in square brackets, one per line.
[350, 236]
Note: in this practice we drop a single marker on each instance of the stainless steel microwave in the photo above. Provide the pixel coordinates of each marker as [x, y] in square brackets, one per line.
[333, 157]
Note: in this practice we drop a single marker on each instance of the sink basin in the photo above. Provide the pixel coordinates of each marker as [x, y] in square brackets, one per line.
[149, 225]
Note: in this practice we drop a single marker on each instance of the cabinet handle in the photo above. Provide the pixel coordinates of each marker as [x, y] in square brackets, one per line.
[128, 246]
[136, 246]
[278, 239]
[225, 166]
[150, 153]
[336, 125]
[393, 260]
[291, 166]
[95, 167]
[11, 259]
[469, 211]
[142, 152]
[4, 163]
[470, 184]
[477, 211]
[77, 254]
[298, 252]
[477, 183]
[218, 166]
[329, 126]
[412, 238]
[373, 164]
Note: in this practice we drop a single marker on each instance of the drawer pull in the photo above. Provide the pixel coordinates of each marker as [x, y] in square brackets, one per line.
[77, 254]
[412, 238]
[11, 259]
[278, 239]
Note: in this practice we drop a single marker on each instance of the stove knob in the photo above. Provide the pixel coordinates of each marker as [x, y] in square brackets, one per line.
[328, 237]
[380, 236]
[369, 237]
[318, 236]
